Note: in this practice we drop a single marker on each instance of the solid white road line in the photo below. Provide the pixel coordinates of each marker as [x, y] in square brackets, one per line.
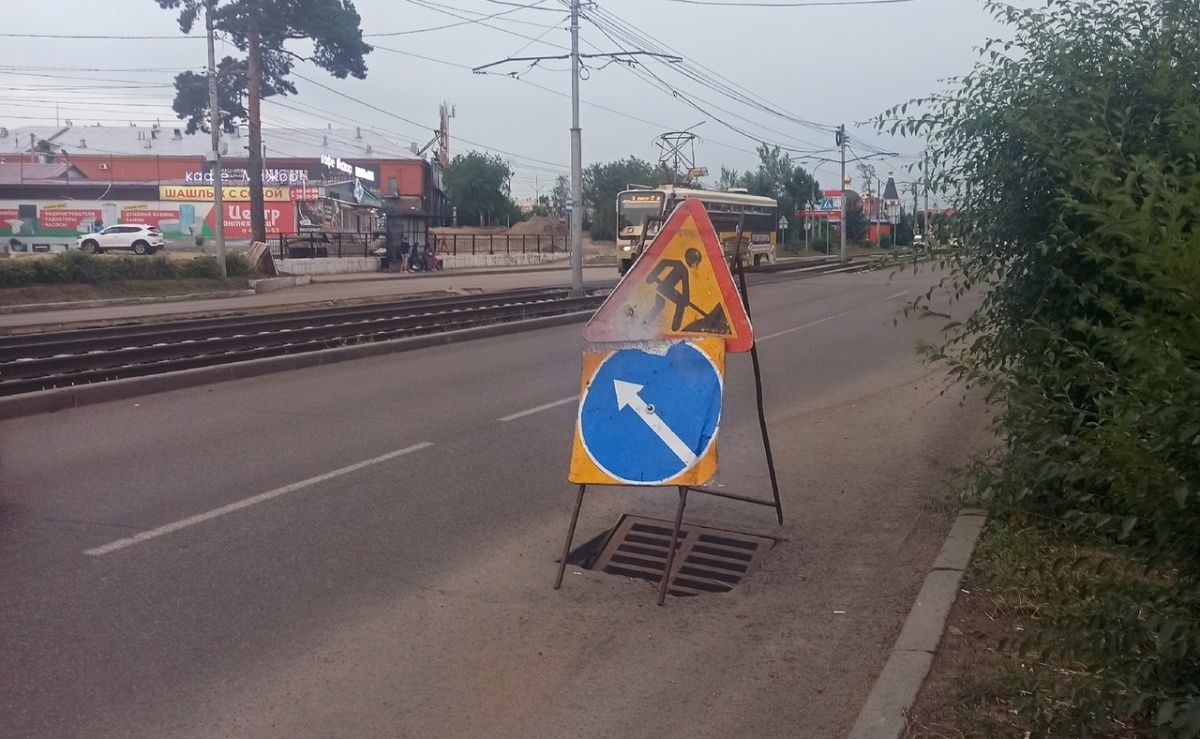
[819, 321]
[246, 503]
[540, 408]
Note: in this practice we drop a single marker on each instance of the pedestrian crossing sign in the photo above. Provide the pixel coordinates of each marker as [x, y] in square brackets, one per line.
[681, 287]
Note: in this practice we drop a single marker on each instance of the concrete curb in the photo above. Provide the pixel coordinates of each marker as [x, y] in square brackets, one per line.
[447, 272]
[883, 716]
[46, 401]
[271, 284]
[100, 303]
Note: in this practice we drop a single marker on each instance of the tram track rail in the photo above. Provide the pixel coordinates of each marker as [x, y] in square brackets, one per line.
[33, 362]
[57, 360]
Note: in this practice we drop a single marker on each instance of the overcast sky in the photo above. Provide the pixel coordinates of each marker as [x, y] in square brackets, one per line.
[825, 65]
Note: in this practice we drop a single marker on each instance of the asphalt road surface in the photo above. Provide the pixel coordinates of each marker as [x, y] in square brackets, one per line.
[367, 549]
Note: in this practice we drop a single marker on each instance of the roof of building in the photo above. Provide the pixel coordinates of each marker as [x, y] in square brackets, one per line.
[170, 140]
[18, 173]
[889, 190]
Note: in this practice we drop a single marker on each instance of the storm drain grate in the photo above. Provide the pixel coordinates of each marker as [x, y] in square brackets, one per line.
[706, 560]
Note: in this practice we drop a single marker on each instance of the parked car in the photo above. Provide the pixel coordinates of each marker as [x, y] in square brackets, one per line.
[136, 237]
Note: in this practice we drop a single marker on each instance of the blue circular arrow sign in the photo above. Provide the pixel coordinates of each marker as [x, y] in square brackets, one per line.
[648, 416]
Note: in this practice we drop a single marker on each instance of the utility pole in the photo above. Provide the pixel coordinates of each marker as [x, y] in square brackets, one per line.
[916, 206]
[576, 162]
[214, 113]
[878, 212]
[841, 142]
[576, 199]
[254, 164]
[925, 184]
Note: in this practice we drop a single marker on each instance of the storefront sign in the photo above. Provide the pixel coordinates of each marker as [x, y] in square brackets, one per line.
[235, 193]
[270, 176]
[347, 168]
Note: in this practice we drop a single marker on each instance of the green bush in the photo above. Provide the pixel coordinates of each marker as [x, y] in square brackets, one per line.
[1072, 155]
[236, 265]
[75, 267]
[202, 267]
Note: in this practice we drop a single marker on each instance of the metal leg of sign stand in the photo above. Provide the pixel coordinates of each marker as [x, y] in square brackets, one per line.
[732, 496]
[562, 564]
[666, 578]
[739, 267]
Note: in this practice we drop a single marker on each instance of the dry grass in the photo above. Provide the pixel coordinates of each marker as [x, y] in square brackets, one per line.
[981, 683]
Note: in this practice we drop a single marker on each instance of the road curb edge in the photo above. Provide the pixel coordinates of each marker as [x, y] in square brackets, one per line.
[884, 714]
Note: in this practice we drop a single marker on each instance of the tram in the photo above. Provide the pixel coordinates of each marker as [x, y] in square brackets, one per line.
[757, 215]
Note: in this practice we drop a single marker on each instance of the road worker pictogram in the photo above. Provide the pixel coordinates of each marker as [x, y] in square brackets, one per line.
[681, 287]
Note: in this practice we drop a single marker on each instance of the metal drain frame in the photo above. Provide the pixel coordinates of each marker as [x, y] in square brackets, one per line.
[707, 560]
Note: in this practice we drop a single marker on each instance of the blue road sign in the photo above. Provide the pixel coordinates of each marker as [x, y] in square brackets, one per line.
[649, 415]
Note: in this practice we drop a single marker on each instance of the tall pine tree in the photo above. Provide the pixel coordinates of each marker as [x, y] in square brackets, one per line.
[261, 29]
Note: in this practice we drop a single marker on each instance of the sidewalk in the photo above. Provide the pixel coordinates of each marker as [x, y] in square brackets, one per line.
[471, 271]
[368, 286]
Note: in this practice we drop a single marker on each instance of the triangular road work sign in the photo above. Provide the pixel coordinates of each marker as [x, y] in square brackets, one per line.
[680, 287]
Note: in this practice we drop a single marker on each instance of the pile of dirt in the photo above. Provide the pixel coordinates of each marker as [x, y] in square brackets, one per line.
[538, 226]
[467, 230]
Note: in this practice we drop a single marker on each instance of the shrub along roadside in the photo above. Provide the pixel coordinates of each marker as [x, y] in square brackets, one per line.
[1072, 155]
[76, 267]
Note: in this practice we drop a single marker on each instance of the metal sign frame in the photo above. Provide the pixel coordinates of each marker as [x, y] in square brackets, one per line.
[683, 490]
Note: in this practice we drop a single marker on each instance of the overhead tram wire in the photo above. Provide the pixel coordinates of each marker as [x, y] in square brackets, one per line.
[798, 4]
[437, 7]
[659, 126]
[27, 68]
[103, 37]
[552, 27]
[611, 30]
[421, 56]
[444, 26]
[527, 7]
[310, 136]
[122, 119]
[707, 76]
[429, 128]
[38, 75]
[688, 100]
[558, 93]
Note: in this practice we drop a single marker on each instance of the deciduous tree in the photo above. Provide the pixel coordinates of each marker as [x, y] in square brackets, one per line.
[602, 182]
[480, 187]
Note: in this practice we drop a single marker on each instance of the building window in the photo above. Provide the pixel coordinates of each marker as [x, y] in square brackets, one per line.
[392, 184]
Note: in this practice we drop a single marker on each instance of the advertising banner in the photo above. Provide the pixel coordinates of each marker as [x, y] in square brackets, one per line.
[48, 219]
[280, 218]
[180, 222]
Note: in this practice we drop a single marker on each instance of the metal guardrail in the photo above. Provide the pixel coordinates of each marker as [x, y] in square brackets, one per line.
[322, 245]
[455, 244]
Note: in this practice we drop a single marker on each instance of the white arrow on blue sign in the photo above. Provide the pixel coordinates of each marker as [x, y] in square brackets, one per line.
[648, 416]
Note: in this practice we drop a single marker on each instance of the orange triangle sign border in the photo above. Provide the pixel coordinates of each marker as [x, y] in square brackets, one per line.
[680, 287]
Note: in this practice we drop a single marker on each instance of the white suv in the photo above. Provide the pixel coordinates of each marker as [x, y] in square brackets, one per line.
[139, 238]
